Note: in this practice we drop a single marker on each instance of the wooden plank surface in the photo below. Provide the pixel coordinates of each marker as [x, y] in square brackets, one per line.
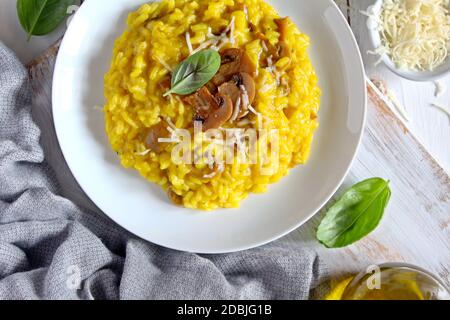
[416, 227]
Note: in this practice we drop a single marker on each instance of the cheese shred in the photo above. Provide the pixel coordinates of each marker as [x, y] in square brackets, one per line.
[441, 107]
[415, 33]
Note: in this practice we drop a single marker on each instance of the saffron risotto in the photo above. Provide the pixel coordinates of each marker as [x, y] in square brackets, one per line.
[155, 42]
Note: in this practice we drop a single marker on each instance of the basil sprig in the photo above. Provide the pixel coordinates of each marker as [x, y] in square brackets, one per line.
[357, 213]
[40, 17]
[194, 72]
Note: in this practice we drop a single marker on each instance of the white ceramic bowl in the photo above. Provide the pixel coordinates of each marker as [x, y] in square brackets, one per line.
[142, 207]
[375, 39]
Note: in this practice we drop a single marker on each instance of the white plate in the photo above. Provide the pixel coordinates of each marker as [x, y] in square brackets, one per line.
[143, 208]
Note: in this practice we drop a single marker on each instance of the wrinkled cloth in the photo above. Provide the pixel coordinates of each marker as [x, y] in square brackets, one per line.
[50, 248]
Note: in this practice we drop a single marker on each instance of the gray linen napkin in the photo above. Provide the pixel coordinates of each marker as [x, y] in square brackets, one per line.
[52, 249]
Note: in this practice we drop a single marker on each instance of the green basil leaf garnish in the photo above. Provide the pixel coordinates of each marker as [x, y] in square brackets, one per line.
[194, 72]
[357, 213]
[40, 17]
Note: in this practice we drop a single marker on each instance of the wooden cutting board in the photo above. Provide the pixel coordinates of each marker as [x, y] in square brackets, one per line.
[416, 226]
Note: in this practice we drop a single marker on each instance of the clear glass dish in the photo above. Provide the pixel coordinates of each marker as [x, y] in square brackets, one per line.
[396, 281]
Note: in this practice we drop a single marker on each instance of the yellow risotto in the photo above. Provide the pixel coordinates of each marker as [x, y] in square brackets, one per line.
[160, 35]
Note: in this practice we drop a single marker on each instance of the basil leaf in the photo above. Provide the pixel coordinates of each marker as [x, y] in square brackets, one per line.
[40, 17]
[357, 213]
[194, 72]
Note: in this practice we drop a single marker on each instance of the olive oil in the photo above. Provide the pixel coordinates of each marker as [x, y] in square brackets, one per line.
[392, 282]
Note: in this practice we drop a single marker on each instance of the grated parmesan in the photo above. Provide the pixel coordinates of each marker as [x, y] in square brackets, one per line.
[237, 109]
[230, 26]
[210, 176]
[266, 87]
[441, 107]
[264, 46]
[232, 29]
[164, 64]
[202, 46]
[189, 43]
[440, 89]
[252, 110]
[224, 42]
[245, 98]
[143, 153]
[244, 122]
[378, 52]
[414, 33]
[171, 124]
[217, 42]
[220, 169]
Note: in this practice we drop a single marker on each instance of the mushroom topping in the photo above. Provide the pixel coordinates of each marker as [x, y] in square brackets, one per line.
[245, 80]
[241, 89]
[203, 103]
[175, 198]
[233, 61]
[230, 89]
[258, 34]
[153, 134]
[220, 115]
[212, 111]
[282, 27]
[283, 48]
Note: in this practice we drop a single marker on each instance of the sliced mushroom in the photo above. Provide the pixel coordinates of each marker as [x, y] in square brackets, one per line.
[283, 49]
[153, 134]
[257, 34]
[233, 79]
[212, 111]
[175, 198]
[230, 89]
[233, 61]
[220, 115]
[233, 89]
[283, 25]
[244, 79]
[211, 87]
[203, 103]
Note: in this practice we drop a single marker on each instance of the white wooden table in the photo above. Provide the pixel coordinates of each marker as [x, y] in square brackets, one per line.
[416, 227]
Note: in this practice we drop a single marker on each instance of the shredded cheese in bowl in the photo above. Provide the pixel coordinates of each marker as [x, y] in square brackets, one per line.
[415, 33]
